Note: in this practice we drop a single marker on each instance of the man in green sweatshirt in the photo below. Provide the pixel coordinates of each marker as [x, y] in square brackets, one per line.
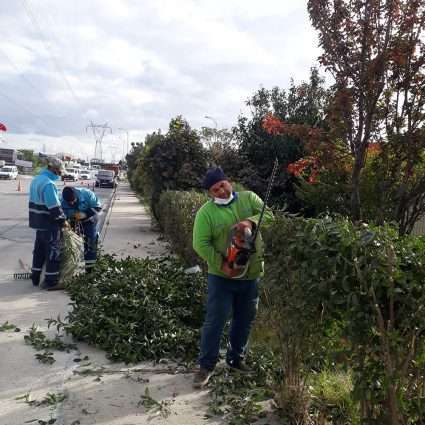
[227, 294]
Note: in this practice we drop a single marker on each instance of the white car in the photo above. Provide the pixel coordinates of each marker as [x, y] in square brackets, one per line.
[85, 175]
[71, 174]
[9, 172]
[93, 173]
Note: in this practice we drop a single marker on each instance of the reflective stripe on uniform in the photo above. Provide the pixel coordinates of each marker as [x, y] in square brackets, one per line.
[38, 211]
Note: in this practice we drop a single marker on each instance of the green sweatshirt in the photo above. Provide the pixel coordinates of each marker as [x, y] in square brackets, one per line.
[212, 228]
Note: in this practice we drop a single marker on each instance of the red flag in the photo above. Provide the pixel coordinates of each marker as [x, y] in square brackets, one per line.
[2, 127]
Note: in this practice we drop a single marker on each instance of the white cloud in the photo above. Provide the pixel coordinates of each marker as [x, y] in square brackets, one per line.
[119, 57]
[137, 64]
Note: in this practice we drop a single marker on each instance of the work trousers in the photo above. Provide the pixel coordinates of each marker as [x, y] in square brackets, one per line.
[47, 250]
[238, 298]
[90, 244]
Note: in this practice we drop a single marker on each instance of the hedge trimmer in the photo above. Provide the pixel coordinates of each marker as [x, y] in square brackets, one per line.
[242, 243]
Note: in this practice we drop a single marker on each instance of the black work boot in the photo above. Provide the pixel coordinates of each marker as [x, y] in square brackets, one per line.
[35, 277]
[51, 286]
[202, 377]
[239, 366]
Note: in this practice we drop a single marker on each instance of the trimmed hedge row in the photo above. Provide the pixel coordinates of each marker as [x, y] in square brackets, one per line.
[339, 296]
[176, 215]
[176, 212]
[350, 297]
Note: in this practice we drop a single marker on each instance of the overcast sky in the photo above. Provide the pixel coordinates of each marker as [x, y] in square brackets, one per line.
[135, 64]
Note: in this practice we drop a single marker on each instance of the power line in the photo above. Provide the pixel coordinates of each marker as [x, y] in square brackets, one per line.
[35, 23]
[22, 107]
[21, 76]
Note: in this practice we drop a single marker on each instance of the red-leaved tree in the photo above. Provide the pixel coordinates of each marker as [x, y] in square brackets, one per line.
[374, 49]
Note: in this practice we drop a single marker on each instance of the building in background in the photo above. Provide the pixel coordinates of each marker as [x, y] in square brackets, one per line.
[8, 155]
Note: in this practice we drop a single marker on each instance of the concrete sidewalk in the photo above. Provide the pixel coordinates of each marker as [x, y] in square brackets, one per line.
[109, 398]
[128, 228]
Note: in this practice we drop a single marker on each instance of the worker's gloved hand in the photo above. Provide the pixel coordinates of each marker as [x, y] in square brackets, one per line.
[66, 225]
[80, 215]
[227, 270]
[242, 228]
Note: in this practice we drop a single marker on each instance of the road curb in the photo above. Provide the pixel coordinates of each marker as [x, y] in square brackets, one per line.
[105, 222]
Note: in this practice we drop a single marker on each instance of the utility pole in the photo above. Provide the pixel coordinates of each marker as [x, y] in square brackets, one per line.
[98, 134]
[126, 131]
[208, 117]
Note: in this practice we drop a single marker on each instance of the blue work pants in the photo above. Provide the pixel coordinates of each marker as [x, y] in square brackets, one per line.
[47, 250]
[238, 298]
[90, 244]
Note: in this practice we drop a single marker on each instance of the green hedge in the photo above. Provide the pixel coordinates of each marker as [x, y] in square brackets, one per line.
[349, 297]
[338, 297]
[176, 215]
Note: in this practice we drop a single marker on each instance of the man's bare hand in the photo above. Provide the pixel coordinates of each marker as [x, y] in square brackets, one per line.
[80, 215]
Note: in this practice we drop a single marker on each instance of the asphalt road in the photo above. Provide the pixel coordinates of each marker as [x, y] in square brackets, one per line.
[16, 238]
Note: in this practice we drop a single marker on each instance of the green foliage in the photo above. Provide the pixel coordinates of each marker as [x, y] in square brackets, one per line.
[50, 399]
[174, 161]
[330, 194]
[393, 183]
[7, 327]
[40, 342]
[227, 156]
[140, 178]
[155, 407]
[301, 104]
[239, 397]
[28, 155]
[176, 215]
[132, 161]
[46, 357]
[332, 398]
[364, 285]
[138, 309]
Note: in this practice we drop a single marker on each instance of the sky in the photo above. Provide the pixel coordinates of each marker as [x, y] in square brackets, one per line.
[135, 64]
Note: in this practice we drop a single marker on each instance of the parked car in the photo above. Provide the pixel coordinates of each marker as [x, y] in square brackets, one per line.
[106, 178]
[71, 174]
[9, 172]
[85, 175]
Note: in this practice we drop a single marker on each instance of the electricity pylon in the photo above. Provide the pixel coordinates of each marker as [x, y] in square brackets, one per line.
[98, 134]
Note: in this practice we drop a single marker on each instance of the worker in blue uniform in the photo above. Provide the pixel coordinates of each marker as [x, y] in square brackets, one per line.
[48, 219]
[81, 207]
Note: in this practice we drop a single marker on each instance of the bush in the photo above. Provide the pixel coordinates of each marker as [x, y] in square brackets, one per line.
[174, 161]
[176, 215]
[355, 288]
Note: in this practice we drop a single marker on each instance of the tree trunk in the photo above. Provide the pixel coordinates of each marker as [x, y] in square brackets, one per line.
[394, 417]
[355, 189]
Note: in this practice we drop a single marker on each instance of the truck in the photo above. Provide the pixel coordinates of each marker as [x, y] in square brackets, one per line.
[113, 167]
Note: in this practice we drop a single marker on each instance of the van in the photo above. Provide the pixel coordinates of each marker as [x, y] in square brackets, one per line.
[106, 178]
[9, 172]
